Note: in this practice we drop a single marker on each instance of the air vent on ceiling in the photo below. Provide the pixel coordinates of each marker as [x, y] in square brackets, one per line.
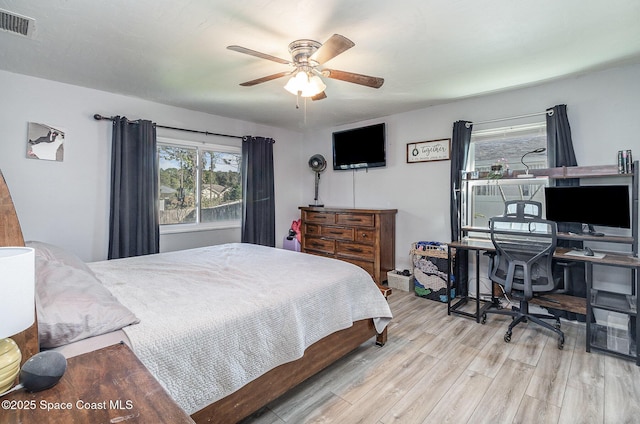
[17, 24]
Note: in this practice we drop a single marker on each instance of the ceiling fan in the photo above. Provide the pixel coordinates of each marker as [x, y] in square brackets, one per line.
[307, 56]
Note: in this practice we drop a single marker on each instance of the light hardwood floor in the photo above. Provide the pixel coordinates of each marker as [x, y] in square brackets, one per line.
[437, 368]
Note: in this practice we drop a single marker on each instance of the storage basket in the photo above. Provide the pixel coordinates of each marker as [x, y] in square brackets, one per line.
[430, 261]
[399, 281]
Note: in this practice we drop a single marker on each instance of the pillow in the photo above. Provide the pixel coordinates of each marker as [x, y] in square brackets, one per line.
[72, 304]
[55, 253]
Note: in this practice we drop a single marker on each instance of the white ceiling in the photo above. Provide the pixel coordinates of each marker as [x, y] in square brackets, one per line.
[428, 51]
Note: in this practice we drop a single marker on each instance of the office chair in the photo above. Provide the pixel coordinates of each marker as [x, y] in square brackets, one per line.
[532, 209]
[522, 265]
[523, 209]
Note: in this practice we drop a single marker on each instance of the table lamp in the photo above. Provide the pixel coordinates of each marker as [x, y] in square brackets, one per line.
[17, 310]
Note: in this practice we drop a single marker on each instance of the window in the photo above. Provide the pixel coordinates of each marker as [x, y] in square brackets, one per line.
[506, 146]
[199, 184]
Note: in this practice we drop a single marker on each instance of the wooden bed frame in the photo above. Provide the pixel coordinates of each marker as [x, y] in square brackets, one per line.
[255, 394]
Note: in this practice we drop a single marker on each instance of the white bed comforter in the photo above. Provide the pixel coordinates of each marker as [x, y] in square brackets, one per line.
[212, 319]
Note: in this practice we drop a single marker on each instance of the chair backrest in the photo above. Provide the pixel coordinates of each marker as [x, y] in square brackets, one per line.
[523, 209]
[524, 253]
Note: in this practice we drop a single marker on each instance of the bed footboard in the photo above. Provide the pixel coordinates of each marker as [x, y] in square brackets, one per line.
[276, 382]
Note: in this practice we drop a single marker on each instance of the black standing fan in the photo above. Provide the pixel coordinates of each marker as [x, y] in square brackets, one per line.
[318, 164]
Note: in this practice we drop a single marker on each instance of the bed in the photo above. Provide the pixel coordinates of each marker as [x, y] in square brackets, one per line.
[258, 320]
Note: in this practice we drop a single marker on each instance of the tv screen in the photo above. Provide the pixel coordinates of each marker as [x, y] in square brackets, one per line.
[359, 148]
[595, 205]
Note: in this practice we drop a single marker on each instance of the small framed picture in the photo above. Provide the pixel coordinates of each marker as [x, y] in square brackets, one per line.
[427, 151]
[45, 142]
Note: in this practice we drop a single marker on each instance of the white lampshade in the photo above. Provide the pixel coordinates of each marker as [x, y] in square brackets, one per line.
[307, 86]
[315, 86]
[297, 83]
[17, 288]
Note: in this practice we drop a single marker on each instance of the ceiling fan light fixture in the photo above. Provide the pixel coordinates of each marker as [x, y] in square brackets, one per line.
[297, 83]
[305, 85]
[315, 86]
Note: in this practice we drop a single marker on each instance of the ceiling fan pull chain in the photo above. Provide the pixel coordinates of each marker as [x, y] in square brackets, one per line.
[305, 118]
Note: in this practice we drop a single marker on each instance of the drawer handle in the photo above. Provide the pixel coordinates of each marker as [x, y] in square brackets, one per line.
[316, 244]
[364, 235]
[335, 233]
[354, 249]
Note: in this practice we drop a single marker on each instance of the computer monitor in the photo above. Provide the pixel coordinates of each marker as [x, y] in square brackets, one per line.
[603, 205]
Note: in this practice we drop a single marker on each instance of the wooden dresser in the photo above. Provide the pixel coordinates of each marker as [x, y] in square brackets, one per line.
[364, 237]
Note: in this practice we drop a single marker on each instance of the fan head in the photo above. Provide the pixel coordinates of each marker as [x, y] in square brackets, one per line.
[317, 163]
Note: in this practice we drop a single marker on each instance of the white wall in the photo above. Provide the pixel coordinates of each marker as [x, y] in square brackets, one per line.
[67, 203]
[603, 109]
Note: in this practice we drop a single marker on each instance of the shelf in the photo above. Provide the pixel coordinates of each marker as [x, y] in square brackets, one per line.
[562, 302]
[581, 172]
[560, 173]
[616, 302]
[588, 237]
[603, 338]
[565, 236]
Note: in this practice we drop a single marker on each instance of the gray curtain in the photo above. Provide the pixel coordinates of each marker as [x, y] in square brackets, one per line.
[559, 142]
[460, 141]
[133, 222]
[561, 153]
[258, 200]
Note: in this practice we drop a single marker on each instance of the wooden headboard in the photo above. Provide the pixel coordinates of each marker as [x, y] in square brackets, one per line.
[11, 235]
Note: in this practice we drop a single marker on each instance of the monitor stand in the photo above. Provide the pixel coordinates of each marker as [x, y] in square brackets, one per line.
[592, 231]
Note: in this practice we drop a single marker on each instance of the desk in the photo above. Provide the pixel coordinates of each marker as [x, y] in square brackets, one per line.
[478, 246]
[568, 303]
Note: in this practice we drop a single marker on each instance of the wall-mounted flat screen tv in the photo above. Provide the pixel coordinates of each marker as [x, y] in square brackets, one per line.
[359, 148]
[606, 205]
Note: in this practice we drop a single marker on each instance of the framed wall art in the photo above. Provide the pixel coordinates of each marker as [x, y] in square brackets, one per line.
[45, 142]
[427, 151]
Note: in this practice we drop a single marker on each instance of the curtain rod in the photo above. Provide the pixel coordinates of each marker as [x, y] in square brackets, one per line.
[546, 112]
[99, 117]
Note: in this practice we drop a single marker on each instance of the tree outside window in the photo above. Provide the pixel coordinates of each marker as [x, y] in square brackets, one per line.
[199, 185]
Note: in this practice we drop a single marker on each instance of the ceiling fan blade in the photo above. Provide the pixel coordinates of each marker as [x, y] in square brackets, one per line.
[319, 96]
[373, 82]
[335, 45]
[245, 50]
[265, 79]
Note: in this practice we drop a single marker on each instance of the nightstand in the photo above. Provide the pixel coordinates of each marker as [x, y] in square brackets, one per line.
[109, 385]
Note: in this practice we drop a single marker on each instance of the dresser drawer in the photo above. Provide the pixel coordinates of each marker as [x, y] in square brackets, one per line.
[367, 266]
[341, 233]
[321, 217]
[319, 244]
[365, 236]
[312, 229]
[364, 251]
[361, 219]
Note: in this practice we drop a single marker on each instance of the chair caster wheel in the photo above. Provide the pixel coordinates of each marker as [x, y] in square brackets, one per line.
[484, 319]
[507, 337]
[558, 325]
[561, 343]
